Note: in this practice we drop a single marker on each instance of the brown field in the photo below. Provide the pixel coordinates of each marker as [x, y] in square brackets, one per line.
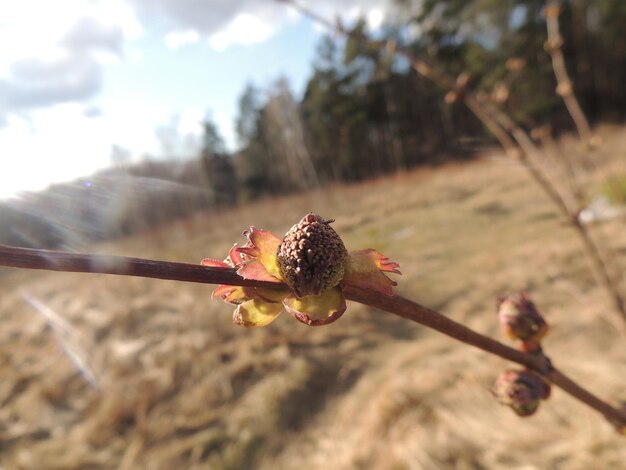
[179, 386]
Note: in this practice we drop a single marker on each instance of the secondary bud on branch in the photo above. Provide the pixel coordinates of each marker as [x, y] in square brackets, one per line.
[515, 64]
[460, 88]
[552, 45]
[565, 88]
[541, 132]
[520, 320]
[553, 10]
[500, 93]
[522, 390]
[462, 81]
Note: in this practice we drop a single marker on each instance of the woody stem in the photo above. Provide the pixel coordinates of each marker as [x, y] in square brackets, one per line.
[126, 266]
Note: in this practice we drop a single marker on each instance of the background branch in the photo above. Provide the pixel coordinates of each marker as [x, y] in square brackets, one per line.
[513, 139]
[565, 87]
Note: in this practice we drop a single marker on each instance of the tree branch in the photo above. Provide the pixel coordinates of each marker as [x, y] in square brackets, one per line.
[108, 264]
[565, 88]
[126, 266]
[502, 127]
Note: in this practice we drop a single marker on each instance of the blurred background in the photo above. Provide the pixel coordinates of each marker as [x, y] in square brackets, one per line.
[162, 128]
[201, 106]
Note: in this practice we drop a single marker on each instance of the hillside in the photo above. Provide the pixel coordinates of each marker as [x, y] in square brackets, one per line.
[111, 203]
[179, 386]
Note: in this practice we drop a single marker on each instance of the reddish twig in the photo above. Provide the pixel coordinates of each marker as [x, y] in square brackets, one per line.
[540, 363]
[109, 264]
[424, 316]
[121, 265]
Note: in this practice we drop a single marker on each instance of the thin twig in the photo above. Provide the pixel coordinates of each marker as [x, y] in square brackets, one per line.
[502, 127]
[424, 316]
[598, 263]
[565, 88]
[540, 363]
[568, 172]
[125, 266]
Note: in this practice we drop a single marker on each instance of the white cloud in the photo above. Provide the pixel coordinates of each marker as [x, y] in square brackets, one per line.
[32, 148]
[245, 22]
[190, 122]
[57, 49]
[375, 18]
[52, 67]
[70, 140]
[57, 55]
[178, 39]
[34, 28]
[118, 12]
[244, 29]
[31, 35]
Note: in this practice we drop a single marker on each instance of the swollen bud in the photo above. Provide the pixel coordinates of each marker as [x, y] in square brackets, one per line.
[520, 319]
[311, 257]
[522, 390]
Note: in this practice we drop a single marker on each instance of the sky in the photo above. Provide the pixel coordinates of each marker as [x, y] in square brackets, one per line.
[84, 77]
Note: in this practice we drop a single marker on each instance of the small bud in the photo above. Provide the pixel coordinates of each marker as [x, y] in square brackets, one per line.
[552, 11]
[565, 88]
[462, 80]
[311, 257]
[522, 390]
[541, 132]
[459, 91]
[451, 97]
[423, 69]
[482, 97]
[595, 142]
[515, 64]
[519, 319]
[552, 45]
[500, 93]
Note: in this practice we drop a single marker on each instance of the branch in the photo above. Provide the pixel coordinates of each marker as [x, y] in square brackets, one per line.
[415, 312]
[502, 127]
[139, 267]
[122, 265]
[565, 88]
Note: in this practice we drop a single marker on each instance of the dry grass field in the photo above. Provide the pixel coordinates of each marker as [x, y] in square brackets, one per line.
[179, 386]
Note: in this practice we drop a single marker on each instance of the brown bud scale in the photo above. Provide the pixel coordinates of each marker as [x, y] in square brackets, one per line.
[312, 256]
[521, 390]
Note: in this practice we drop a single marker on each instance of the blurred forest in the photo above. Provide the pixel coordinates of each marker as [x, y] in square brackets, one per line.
[364, 113]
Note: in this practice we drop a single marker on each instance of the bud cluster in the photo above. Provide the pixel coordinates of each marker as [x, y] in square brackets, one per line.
[520, 320]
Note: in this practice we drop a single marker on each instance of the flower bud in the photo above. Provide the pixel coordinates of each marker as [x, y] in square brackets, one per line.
[311, 257]
[522, 390]
[519, 319]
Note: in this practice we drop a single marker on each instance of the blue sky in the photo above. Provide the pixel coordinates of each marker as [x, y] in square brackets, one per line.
[84, 75]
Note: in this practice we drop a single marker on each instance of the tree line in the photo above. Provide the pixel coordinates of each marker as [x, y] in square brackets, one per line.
[365, 112]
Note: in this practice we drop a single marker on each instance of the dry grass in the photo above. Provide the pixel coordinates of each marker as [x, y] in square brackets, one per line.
[180, 387]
